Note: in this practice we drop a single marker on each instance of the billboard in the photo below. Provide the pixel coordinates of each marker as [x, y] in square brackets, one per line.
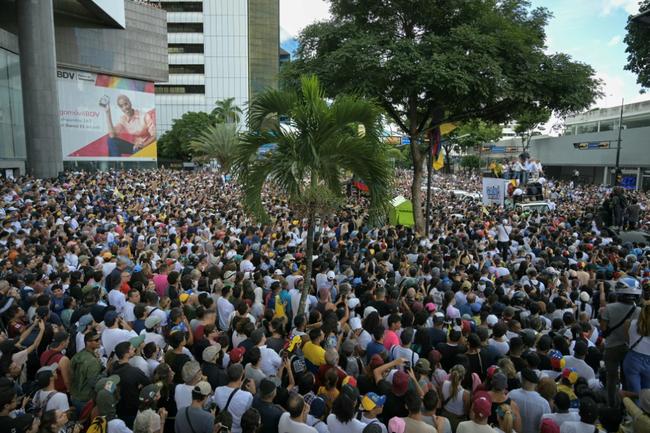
[494, 191]
[106, 118]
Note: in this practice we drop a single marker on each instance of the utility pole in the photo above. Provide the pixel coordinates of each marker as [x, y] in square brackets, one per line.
[617, 172]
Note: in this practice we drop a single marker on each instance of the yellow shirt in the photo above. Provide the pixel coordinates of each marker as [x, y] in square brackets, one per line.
[314, 353]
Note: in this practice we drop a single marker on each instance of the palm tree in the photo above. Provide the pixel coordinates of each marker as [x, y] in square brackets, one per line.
[218, 142]
[226, 111]
[312, 153]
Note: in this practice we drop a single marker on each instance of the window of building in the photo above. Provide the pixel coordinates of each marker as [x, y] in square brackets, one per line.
[186, 69]
[608, 125]
[185, 48]
[179, 90]
[637, 122]
[587, 128]
[182, 6]
[185, 27]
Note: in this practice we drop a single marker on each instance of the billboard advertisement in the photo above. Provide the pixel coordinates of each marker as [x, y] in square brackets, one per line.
[494, 191]
[106, 118]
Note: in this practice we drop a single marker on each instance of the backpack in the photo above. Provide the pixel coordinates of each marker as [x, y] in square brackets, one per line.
[38, 408]
[99, 425]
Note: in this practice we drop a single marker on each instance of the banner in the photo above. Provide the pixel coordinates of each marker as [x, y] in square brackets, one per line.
[494, 191]
[105, 117]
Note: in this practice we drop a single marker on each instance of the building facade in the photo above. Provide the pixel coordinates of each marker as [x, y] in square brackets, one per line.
[53, 81]
[217, 50]
[590, 141]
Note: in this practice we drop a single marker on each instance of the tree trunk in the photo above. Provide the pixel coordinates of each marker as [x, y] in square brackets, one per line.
[417, 157]
[306, 285]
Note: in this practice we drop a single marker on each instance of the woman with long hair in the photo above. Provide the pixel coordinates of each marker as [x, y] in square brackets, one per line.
[637, 361]
[505, 418]
[455, 399]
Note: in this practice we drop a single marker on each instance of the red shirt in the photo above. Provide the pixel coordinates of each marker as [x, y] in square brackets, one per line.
[49, 357]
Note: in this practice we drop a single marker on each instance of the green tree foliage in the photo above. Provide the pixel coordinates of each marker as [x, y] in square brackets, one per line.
[474, 133]
[429, 62]
[312, 154]
[528, 121]
[175, 143]
[226, 111]
[218, 142]
[470, 161]
[638, 47]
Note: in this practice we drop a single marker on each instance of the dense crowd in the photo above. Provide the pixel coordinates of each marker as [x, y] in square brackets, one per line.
[149, 302]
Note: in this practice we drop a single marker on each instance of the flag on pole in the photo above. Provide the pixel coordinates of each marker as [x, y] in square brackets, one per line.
[439, 162]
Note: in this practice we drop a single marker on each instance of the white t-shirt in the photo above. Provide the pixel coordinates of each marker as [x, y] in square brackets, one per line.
[472, 427]
[156, 338]
[139, 362]
[271, 361]
[318, 424]
[240, 403]
[560, 418]
[404, 352]
[364, 339]
[116, 425]
[58, 401]
[156, 311]
[582, 368]
[117, 300]
[531, 407]
[287, 425]
[336, 426]
[111, 337]
[183, 395]
[128, 314]
[578, 427]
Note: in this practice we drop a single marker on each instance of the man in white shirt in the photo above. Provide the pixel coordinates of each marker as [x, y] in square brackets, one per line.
[117, 299]
[562, 403]
[224, 308]
[134, 298]
[113, 335]
[577, 361]
[531, 404]
[270, 361]
[294, 420]
[404, 349]
[235, 399]
[152, 332]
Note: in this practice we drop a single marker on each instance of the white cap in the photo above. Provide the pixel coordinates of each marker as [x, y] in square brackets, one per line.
[331, 275]
[355, 323]
[584, 296]
[368, 310]
[353, 302]
[491, 320]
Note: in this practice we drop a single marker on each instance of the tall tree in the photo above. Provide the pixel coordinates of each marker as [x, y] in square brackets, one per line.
[226, 111]
[175, 143]
[429, 62]
[638, 47]
[312, 153]
[218, 142]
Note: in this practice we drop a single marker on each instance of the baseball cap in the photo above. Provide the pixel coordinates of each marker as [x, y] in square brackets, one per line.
[203, 388]
[59, 338]
[110, 317]
[482, 405]
[237, 354]
[423, 366]
[355, 323]
[549, 426]
[183, 297]
[491, 320]
[400, 383]
[137, 341]
[316, 407]
[499, 381]
[396, 425]
[430, 307]
[369, 310]
[190, 370]
[372, 400]
[571, 374]
[152, 321]
[349, 380]
[84, 321]
[210, 353]
[148, 393]
[376, 361]
[48, 369]
[108, 383]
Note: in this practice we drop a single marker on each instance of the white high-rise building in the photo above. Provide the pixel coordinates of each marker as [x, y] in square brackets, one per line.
[218, 49]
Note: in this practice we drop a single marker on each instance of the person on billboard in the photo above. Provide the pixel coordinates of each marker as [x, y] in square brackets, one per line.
[134, 131]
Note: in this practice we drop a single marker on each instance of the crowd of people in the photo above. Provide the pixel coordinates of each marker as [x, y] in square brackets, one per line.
[150, 302]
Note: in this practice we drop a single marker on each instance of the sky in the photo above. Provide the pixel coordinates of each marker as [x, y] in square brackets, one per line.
[591, 31]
